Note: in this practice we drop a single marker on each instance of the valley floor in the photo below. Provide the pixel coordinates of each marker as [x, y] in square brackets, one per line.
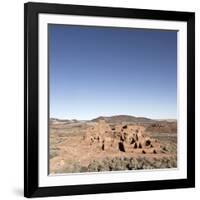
[68, 152]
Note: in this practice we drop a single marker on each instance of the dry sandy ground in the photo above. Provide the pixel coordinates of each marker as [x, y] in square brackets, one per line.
[68, 152]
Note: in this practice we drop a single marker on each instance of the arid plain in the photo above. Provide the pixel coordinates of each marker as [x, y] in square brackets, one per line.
[113, 143]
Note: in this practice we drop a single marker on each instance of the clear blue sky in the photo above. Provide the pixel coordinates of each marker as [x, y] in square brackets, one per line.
[97, 71]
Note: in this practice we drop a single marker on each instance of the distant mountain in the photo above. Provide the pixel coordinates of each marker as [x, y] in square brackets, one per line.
[152, 125]
[124, 119]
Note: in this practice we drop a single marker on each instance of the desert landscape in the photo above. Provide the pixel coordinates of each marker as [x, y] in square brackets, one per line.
[120, 142]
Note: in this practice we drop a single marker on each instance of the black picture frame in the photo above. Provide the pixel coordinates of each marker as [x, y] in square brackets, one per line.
[31, 170]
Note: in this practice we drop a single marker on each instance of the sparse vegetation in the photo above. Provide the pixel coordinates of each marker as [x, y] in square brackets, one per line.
[118, 164]
[53, 154]
[70, 153]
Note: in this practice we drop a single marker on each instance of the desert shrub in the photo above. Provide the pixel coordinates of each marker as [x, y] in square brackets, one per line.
[124, 163]
[70, 168]
[94, 166]
[53, 153]
[83, 169]
[76, 168]
[131, 163]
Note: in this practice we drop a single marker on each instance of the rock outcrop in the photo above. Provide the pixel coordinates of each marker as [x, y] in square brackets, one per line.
[123, 138]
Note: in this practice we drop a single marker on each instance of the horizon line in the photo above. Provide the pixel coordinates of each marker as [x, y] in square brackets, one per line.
[61, 118]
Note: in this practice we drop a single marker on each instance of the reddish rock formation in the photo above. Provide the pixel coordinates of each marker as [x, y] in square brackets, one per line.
[124, 138]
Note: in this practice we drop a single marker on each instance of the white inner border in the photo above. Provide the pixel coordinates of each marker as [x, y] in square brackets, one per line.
[123, 176]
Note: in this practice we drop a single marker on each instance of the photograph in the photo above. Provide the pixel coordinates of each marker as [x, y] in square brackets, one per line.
[112, 102]
[109, 99]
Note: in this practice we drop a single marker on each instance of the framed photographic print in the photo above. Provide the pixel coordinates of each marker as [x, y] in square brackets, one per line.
[109, 99]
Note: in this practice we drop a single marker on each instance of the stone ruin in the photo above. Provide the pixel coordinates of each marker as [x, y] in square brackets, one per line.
[123, 138]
